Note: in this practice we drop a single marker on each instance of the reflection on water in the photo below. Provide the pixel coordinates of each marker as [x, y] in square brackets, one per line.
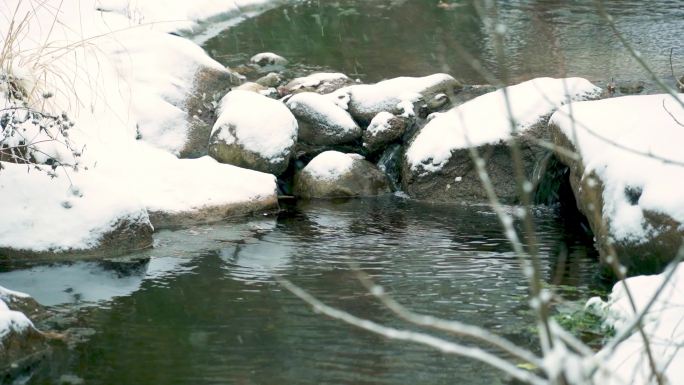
[205, 309]
[376, 39]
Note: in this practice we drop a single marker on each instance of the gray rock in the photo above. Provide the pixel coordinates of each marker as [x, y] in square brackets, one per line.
[333, 174]
[265, 59]
[631, 88]
[271, 80]
[321, 121]
[384, 129]
[209, 86]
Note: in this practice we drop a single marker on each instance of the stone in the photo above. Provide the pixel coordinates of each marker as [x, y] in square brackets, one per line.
[334, 174]
[271, 80]
[321, 83]
[265, 59]
[384, 129]
[321, 121]
[254, 132]
[399, 96]
[209, 85]
[631, 88]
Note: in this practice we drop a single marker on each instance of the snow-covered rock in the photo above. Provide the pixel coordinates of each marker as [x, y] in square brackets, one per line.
[629, 180]
[320, 82]
[397, 95]
[321, 121]
[18, 338]
[628, 363]
[385, 128]
[438, 165]
[333, 174]
[254, 132]
[268, 59]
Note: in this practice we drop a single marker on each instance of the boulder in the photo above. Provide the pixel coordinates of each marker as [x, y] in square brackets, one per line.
[334, 174]
[321, 83]
[438, 166]
[209, 85]
[21, 345]
[271, 80]
[321, 121]
[619, 181]
[384, 129]
[254, 132]
[398, 96]
[680, 84]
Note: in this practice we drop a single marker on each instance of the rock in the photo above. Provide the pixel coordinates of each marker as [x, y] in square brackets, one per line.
[265, 59]
[21, 345]
[630, 88]
[321, 121]
[438, 166]
[270, 80]
[251, 87]
[680, 84]
[398, 96]
[209, 86]
[385, 128]
[321, 83]
[254, 132]
[627, 196]
[333, 174]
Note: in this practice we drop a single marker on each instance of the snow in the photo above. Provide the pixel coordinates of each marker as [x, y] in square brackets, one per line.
[11, 320]
[663, 324]
[321, 109]
[485, 119]
[380, 123]
[259, 124]
[114, 75]
[329, 165]
[638, 123]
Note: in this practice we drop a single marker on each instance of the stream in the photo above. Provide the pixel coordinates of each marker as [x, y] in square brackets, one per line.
[203, 306]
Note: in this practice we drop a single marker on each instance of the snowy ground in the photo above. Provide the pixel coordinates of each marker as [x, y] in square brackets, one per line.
[117, 73]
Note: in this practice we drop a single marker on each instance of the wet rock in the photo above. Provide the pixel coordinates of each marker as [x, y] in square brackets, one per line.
[398, 96]
[209, 86]
[254, 132]
[334, 174]
[631, 88]
[321, 121]
[384, 129]
[271, 80]
[321, 83]
[265, 59]
[680, 84]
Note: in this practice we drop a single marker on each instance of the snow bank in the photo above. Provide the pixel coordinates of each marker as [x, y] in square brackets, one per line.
[634, 126]
[486, 120]
[115, 76]
[329, 165]
[11, 321]
[663, 324]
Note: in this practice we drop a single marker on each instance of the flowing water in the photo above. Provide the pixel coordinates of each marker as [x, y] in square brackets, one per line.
[377, 39]
[205, 308]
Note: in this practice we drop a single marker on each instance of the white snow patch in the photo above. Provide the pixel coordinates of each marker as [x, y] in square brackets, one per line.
[269, 58]
[260, 124]
[380, 123]
[329, 165]
[604, 133]
[486, 119]
[323, 110]
[663, 324]
[11, 321]
[316, 79]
